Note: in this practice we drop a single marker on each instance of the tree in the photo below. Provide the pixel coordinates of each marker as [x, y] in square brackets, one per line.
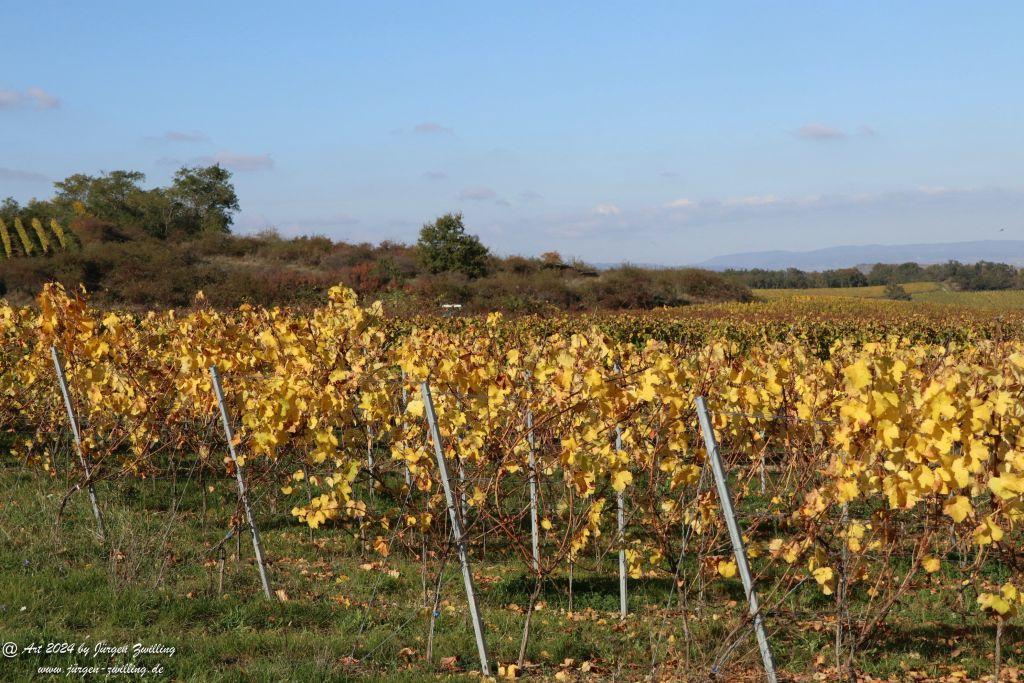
[844, 277]
[204, 199]
[551, 259]
[201, 199]
[444, 246]
[156, 212]
[110, 196]
[9, 210]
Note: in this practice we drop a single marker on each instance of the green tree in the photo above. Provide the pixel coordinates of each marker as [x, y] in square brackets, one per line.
[204, 199]
[112, 197]
[200, 199]
[155, 212]
[444, 246]
[9, 210]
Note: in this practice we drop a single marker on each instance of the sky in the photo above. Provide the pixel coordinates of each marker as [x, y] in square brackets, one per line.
[650, 132]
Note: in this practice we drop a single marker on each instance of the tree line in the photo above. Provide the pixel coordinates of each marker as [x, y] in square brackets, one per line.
[115, 206]
[157, 247]
[983, 275]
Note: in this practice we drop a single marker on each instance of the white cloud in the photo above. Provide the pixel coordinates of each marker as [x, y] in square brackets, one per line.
[184, 136]
[239, 162]
[478, 194]
[607, 221]
[680, 204]
[819, 131]
[10, 98]
[753, 200]
[431, 128]
[35, 97]
[42, 99]
[655, 233]
[16, 175]
[934, 190]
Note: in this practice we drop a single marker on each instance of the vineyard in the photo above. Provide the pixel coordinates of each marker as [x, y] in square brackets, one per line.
[921, 292]
[457, 495]
[25, 245]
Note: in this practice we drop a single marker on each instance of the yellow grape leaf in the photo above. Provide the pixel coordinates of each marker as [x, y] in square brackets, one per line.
[854, 536]
[960, 472]
[958, 508]
[826, 578]
[727, 568]
[995, 603]
[890, 434]
[621, 479]
[633, 560]
[847, 489]
[478, 498]
[1006, 486]
[415, 407]
[988, 532]
[858, 374]
[931, 564]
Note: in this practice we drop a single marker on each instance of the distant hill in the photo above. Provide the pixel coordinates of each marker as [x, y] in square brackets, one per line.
[608, 265]
[1001, 251]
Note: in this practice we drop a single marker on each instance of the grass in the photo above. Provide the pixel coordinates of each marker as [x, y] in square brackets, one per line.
[928, 292]
[353, 616]
[915, 289]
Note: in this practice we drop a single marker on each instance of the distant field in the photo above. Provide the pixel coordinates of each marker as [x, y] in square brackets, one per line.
[931, 292]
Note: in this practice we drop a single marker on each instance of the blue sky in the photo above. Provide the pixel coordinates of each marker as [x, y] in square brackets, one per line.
[652, 132]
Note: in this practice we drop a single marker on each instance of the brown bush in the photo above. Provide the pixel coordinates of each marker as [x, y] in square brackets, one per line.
[364, 278]
[123, 269]
[91, 230]
[630, 287]
[520, 265]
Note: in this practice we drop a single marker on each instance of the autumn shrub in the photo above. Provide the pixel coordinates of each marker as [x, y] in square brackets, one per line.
[629, 287]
